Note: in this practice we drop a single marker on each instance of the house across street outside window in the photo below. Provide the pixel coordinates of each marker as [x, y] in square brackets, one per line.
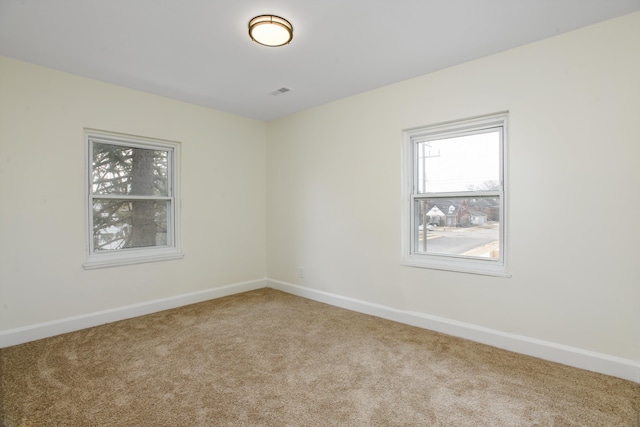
[454, 198]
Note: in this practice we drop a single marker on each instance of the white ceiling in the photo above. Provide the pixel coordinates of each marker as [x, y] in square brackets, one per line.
[199, 51]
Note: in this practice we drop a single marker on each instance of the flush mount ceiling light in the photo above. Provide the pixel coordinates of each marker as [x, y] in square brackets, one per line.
[270, 30]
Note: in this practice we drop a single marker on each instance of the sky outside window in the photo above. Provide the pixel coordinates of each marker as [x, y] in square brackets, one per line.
[464, 163]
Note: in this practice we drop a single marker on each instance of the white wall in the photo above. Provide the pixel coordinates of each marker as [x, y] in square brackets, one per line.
[333, 191]
[332, 199]
[42, 201]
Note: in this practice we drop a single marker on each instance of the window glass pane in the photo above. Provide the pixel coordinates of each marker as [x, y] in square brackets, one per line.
[458, 226]
[463, 163]
[122, 224]
[125, 170]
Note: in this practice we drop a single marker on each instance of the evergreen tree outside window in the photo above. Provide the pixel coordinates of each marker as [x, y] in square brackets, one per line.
[132, 200]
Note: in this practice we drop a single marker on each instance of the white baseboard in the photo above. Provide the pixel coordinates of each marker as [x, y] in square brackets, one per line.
[572, 356]
[566, 355]
[48, 329]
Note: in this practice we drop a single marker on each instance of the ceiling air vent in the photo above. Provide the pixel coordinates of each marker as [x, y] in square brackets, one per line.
[281, 91]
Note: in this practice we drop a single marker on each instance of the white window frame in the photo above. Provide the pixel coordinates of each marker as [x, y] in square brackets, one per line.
[457, 263]
[173, 249]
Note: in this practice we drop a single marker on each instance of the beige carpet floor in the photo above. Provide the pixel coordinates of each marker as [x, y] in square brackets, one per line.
[267, 358]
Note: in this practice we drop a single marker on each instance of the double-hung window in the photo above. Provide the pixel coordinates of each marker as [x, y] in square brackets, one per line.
[454, 196]
[133, 204]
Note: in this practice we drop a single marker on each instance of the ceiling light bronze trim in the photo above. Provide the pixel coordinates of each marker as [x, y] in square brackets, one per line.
[270, 30]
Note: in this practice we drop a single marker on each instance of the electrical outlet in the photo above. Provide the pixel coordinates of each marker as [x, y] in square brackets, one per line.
[301, 272]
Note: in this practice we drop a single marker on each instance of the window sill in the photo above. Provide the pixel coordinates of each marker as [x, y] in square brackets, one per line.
[470, 266]
[129, 258]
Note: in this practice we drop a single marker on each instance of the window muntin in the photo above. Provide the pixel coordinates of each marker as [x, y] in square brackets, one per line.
[132, 193]
[454, 209]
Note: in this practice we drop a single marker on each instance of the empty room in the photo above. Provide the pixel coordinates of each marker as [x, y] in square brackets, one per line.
[336, 213]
